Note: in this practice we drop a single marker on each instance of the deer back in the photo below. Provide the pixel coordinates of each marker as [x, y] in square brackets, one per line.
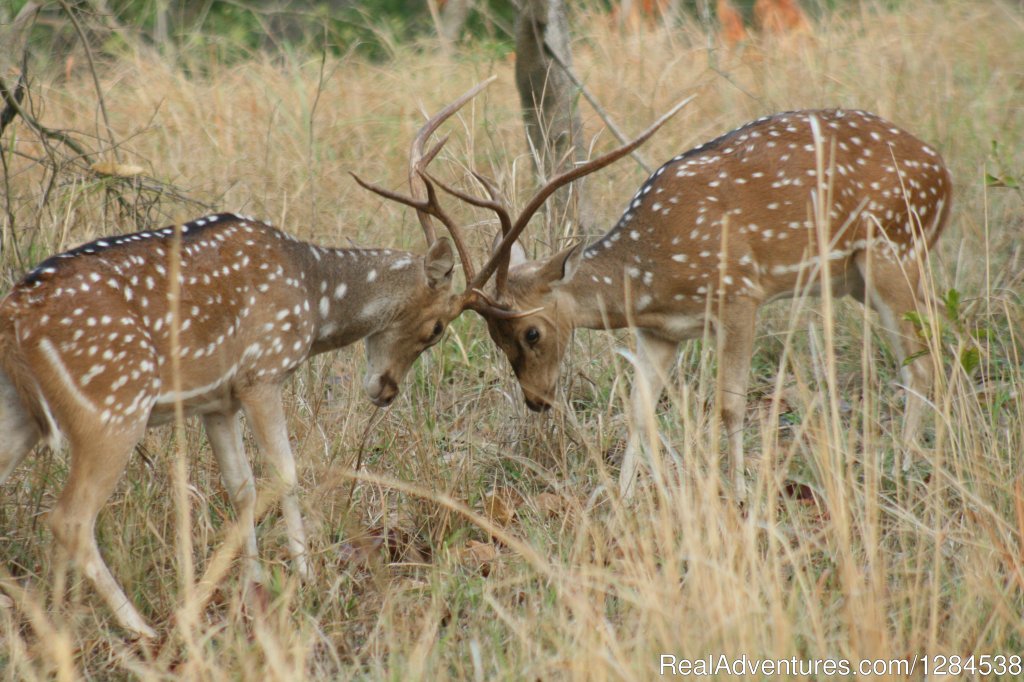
[94, 323]
[765, 188]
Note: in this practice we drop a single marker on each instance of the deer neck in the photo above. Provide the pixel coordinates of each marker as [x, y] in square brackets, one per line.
[352, 291]
[606, 289]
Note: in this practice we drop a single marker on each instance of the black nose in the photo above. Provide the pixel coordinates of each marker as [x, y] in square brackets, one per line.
[537, 405]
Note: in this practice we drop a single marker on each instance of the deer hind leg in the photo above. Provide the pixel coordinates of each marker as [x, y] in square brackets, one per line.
[97, 462]
[265, 410]
[655, 356]
[736, 346]
[19, 432]
[892, 292]
[225, 434]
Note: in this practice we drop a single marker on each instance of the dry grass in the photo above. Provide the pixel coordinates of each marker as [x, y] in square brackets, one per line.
[575, 586]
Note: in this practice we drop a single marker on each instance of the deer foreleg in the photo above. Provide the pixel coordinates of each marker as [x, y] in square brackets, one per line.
[225, 434]
[655, 356]
[736, 345]
[266, 415]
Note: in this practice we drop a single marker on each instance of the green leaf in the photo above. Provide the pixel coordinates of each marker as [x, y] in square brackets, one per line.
[919, 354]
[952, 301]
[970, 358]
[915, 318]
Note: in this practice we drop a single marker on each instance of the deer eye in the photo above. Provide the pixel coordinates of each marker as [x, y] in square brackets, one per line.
[532, 336]
[438, 328]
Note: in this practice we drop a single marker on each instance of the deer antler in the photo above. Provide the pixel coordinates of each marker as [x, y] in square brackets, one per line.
[499, 261]
[425, 208]
[418, 162]
[473, 297]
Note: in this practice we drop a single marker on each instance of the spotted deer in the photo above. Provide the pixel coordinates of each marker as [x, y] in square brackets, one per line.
[755, 215]
[87, 349]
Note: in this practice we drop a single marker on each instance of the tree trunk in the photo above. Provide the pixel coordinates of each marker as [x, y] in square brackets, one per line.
[453, 18]
[553, 128]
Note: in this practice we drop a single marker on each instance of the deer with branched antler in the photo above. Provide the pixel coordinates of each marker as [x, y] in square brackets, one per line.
[88, 342]
[779, 207]
[85, 351]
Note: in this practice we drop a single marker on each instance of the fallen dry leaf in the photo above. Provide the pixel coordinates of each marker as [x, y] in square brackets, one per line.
[480, 554]
[501, 505]
[392, 545]
[550, 504]
[480, 551]
[805, 495]
[360, 550]
[406, 547]
[792, 490]
[121, 170]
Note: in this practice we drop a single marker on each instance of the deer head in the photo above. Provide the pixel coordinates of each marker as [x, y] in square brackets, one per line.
[500, 312]
[415, 324]
[535, 345]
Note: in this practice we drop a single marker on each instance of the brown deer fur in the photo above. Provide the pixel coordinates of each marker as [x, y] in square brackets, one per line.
[85, 351]
[726, 227]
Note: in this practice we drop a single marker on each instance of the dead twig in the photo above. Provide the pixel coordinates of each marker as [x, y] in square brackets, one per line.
[370, 425]
[8, 113]
[592, 100]
[121, 182]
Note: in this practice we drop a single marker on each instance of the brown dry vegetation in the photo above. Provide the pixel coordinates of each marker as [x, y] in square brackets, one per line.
[481, 541]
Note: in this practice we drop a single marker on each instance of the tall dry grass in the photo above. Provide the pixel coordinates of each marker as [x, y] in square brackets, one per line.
[424, 575]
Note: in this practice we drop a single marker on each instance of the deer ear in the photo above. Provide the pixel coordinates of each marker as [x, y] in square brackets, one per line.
[517, 255]
[561, 267]
[439, 263]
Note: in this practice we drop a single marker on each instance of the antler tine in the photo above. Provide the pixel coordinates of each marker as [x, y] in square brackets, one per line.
[417, 163]
[419, 205]
[429, 207]
[487, 306]
[500, 258]
[506, 224]
[453, 229]
[493, 204]
[472, 300]
[418, 160]
[492, 189]
[476, 298]
[429, 156]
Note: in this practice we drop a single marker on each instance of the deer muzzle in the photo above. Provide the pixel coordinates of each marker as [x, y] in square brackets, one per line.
[381, 389]
[536, 403]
